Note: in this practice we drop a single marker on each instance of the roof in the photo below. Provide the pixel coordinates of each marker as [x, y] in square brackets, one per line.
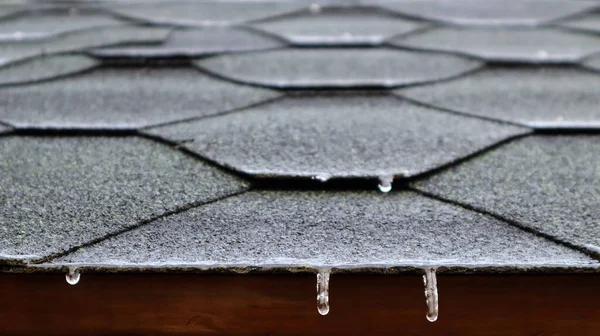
[289, 136]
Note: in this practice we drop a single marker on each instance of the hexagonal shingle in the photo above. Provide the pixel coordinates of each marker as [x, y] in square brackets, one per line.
[536, 97]
[337, 136]
[49, 22]
[347, 229]
[195, 43]
[543, 45]
[490, 12]
[60, 192]
[337, 68]
[124, 98]
[589, 22]
[548, 183]
[45, 68]
[204, 13]
[339, 27]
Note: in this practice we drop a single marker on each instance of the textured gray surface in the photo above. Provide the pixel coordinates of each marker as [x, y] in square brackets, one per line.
[327, 229]
[339, 27]
[80, 40]
[543, 45]
[44, 68]
[537, 97]
[589, 22]
[3, 129]
[593, 63]
[196, 42]
[45, 23]
[116, 98]
[344, 136]
[205, 13]
[551, 184]
[57, 193]
[490, 12]
[337, 68]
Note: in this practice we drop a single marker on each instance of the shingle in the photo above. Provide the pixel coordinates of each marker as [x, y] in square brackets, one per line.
[195, 43]
[60, 192]
[77, 41]
[339, 27]
[593, 63]
[121, 98]
[337, 136]
[537, 97]
[205, 13]
[3, 129]
[543, 45]
[337, 68]
[490, 12]
[45, 68]
[589, 22]
[327, 229]
[49, 22]
[548, 183]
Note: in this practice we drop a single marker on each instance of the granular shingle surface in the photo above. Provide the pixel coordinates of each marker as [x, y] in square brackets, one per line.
[327, 229]
[44, 68]
[550, 184]
[343, 136]
[589, 22]
[61, 192]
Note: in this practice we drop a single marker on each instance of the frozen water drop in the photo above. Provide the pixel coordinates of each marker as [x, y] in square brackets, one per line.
[323, 292]
[73, 276]
[385, 183]
[315, 8]
[431, 294]
[322, 177]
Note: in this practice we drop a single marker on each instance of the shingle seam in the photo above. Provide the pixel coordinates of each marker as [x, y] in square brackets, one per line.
[133, 227]
[590, 253]
[427, 27]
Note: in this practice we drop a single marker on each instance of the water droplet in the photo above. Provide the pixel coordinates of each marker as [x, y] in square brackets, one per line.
[431, 294]
[315, 8]
[73, 276]
[322, 177]
[323, 292]
[385, 183]
[542, 54]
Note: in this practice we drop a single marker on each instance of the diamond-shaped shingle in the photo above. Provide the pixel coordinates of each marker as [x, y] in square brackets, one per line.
[489, 12]
[337, 136]
[118, 98]
[60, 192]
[547, 183]
[537, 97]
[543, 45]
[337, 67]
[45, 68]
[339, 27]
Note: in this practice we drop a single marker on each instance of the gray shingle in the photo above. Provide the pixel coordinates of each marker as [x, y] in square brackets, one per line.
[537, 97]
[327, 229]
[337, 136]
[124, 98]
[337, 68]
[196, 42]
[57, 193]
[543, 45]
[593, 63]
[339, 27]
[205, 13]
[80, 40]
[490, 12]
[589, 22]
[3, 129]
[45, 68]
[549, 183]
[49, 22]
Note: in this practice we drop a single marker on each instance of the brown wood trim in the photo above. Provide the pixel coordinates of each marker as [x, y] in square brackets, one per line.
[199, 304]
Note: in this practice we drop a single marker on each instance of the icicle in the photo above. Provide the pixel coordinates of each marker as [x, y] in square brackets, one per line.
[385, 183]
[323, 292]
[431, 294]
[73, 276]
[322, 177]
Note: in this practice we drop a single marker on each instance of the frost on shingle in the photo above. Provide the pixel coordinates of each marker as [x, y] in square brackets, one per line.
[45, 68]
[548, 183]
[337, 137]
[117, 98]
[195, 43]
[60, 192]
[339, 27]
[543, 45]
[489, 12]
[351, 229]
[589, 22]
[201, 13]
[337, 67]
[50, 22]
[538, 97]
